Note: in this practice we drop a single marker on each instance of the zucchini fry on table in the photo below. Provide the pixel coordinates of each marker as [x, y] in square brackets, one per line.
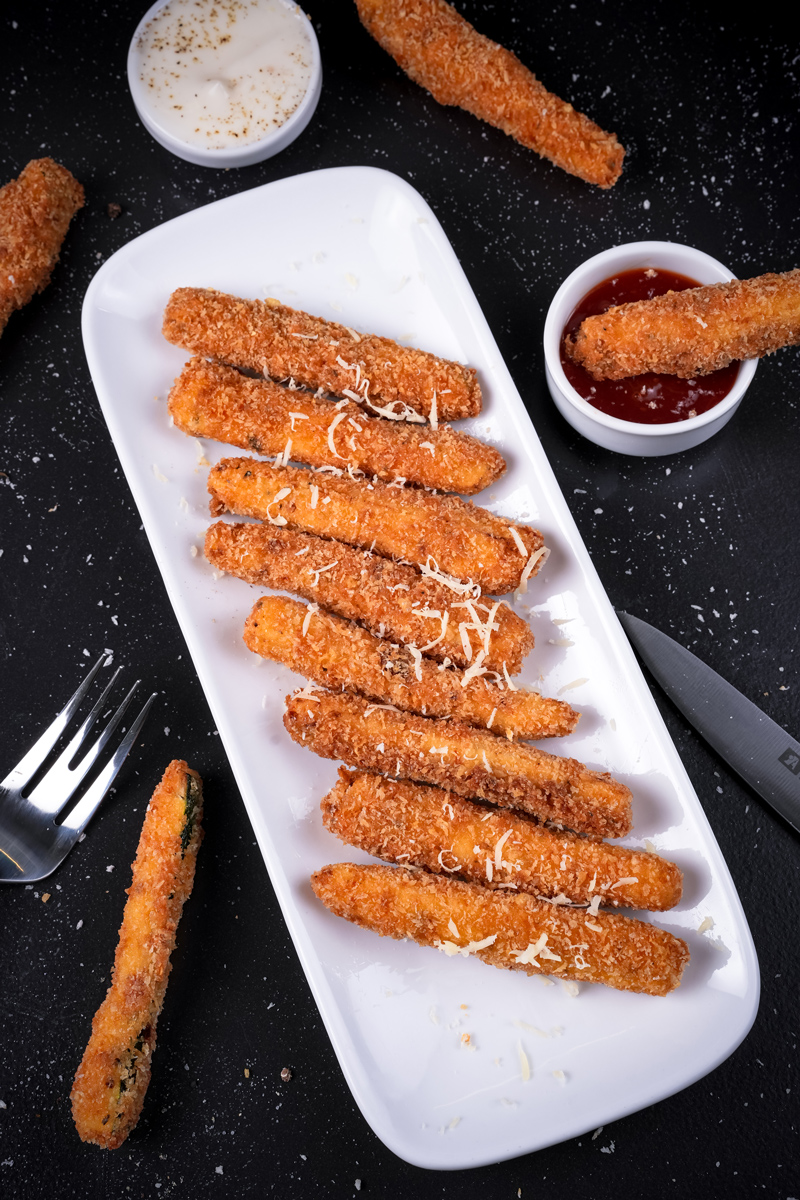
[422, 826]
[443, 53]
[213, 401]
[460, 758]
[392, 599]
[35, 212]
[340, 655]
[504, 929]
[264, 335]
[408, 523]
[111, 1081]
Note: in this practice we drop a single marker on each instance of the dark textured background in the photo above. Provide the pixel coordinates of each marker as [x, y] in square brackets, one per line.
[704, 544]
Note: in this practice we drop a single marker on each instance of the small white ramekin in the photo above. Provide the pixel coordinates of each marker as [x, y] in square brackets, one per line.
[234, 156]
[629, 437]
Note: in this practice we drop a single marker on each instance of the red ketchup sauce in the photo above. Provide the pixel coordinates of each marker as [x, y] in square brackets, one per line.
[647, 399]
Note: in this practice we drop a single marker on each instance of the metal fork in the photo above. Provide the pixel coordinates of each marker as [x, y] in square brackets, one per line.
[32, 845]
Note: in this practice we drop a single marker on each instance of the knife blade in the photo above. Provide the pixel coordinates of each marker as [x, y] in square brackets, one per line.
[754, 745]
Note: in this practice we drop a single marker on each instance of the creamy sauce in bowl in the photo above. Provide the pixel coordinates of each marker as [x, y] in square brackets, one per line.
[221, 74]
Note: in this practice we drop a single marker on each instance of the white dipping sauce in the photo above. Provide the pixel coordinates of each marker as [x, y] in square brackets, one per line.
[224, 73]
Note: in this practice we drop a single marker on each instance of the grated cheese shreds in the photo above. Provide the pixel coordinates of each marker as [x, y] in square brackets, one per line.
[450, 948]
[511, 687]
[624, 882]
[312, 608]
[444, 617]
[489, 870]
[498, 849]
[417, 656]
[491, 718]
[522, 586]
[534, 951]
[525, 1066]
[450, 581]
[331, 428]
[318, 571]
[282, 494]
[371, 709]
[573, 684]
[463, 627]
[444, 866]
[451, 925]
[475, 670]
[433, 415]
[428, 446]
[520, 544]
[314, 495]
[486, 764]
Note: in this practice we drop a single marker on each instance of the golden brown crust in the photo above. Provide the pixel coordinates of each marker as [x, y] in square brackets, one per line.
[35, 212]
[342, 656]
[523, 934]
[391, 599]
[443, 53]
[209, 400]
[422, 826]
[692, 332]
[111, 1081]
[288, 344]
[444, 532]
[461, 759]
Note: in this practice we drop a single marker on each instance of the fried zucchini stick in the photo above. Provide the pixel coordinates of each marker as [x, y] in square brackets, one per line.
[416, 825]
[111, 1082]
[443, 53]
[341, 656]
[35, 212]
[391, 599]
[395, 381]
[692, 332]
[213, 401]
[461, 759]
[442, 532]
[504, 929]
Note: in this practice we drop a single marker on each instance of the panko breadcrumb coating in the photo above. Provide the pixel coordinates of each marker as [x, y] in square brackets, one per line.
[111, 1082]
[504, 929]
[35, 212]
[693, 332]
[417, 825]
[340, 655]
[213, 401]
[460, 758]
[406, 523]
[264, 335]
[391, 599]
[443, 53]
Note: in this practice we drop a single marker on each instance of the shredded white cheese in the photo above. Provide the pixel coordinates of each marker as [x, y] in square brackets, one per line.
[433, 415]
[525, 1066]
[314, 495]
[523, 549]
[431, 570]
[331, 428]
[534, 951]
[450, 948]
[522, 586]
[498, 849]
[312, 608]
[490, 722]
[282, 494]
[474, 671]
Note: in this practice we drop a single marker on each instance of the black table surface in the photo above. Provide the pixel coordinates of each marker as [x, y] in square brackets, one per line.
[703, 544]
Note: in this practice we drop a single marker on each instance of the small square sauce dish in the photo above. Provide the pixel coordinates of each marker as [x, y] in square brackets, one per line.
[648, 436]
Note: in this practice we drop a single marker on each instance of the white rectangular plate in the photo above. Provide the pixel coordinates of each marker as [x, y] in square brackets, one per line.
[360, 246]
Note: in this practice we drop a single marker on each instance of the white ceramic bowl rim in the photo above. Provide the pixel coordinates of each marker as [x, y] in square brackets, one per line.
[233, 155]
[557, 319]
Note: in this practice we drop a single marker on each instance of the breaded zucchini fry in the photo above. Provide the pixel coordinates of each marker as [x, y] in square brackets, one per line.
[35, 212]
[391, 599]
[342, 656]
[264, 335]
[443, 53]
[504, 929]
[460, 759]
[209, 400]
[416, 825]
[692, 332]
[407, 523]
[111, 1082]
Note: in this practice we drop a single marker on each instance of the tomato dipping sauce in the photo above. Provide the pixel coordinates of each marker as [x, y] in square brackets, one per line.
[647, 399]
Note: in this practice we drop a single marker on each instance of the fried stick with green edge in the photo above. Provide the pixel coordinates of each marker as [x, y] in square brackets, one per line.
[111, 1081]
